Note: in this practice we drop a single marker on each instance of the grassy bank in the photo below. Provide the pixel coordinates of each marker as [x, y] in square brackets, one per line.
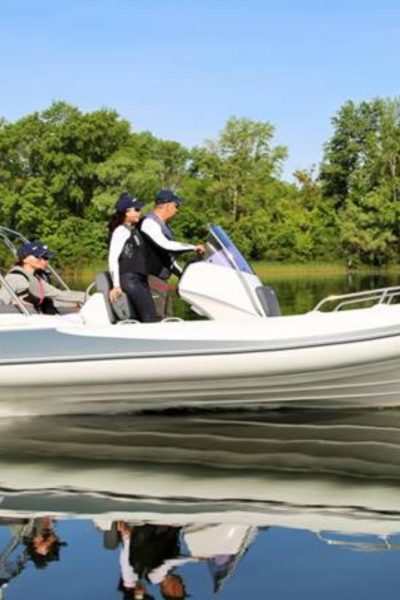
[267, 270]
[264, 269]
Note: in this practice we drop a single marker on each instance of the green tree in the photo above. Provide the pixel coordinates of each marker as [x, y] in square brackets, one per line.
[239, 164]
[49, 165]
[361, 177]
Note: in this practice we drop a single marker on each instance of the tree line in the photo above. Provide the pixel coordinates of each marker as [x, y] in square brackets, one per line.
[61, 171]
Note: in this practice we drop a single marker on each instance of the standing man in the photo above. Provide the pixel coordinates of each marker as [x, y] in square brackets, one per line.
[161, 247]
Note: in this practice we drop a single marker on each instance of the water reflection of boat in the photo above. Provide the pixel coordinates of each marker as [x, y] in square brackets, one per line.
[214, 479]
[302, 470]
[245, 354]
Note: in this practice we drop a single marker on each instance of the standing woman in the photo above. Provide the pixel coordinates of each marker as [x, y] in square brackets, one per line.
[127, 258]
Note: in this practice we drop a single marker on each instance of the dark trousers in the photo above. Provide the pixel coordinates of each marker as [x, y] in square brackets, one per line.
[137, 289]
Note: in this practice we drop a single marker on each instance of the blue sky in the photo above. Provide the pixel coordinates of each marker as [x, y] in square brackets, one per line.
[181, 68]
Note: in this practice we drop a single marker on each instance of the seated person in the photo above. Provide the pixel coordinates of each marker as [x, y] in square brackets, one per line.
[29, 284]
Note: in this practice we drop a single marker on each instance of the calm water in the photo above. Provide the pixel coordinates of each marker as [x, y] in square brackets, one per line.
[300, 294]
[279, 504]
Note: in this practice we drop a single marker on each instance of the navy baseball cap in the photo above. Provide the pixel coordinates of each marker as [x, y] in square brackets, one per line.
[126, 201]
[165, 196]
[36, 249]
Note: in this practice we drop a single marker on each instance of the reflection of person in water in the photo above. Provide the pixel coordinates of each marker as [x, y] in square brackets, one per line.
[172, 587]
[32, 539]
[149, 554]
[129, 585]
[42, 542]
[137, 592]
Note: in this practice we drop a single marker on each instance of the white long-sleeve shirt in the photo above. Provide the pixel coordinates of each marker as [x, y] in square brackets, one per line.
[130, 578]
[153, 230]
[157, 575]
[119, 236]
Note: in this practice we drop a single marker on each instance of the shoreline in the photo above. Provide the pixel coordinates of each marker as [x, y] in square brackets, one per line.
[265, 270]
[318, 269]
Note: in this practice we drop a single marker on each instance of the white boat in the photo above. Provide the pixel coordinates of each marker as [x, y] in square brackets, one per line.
[244, 354]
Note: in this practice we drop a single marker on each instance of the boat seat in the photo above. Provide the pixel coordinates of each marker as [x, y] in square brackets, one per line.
[121, 309]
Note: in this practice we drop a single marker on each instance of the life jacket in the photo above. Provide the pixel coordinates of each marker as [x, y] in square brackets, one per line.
[159, 261]
[42, 304]
[133, 256]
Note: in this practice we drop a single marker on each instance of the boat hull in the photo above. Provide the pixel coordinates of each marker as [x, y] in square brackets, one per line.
[316, 359]
[352, 374]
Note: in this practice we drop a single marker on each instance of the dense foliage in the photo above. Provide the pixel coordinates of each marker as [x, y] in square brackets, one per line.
[61, 171]
[361, 179]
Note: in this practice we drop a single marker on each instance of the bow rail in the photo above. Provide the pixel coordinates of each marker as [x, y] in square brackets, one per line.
[377, 296]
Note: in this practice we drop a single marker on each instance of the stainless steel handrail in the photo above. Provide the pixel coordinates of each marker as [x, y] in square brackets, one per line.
[16, 299]
[383, 542]
[380, 296]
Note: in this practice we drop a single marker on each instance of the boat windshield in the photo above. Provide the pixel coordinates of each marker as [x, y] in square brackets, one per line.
[220, 250]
